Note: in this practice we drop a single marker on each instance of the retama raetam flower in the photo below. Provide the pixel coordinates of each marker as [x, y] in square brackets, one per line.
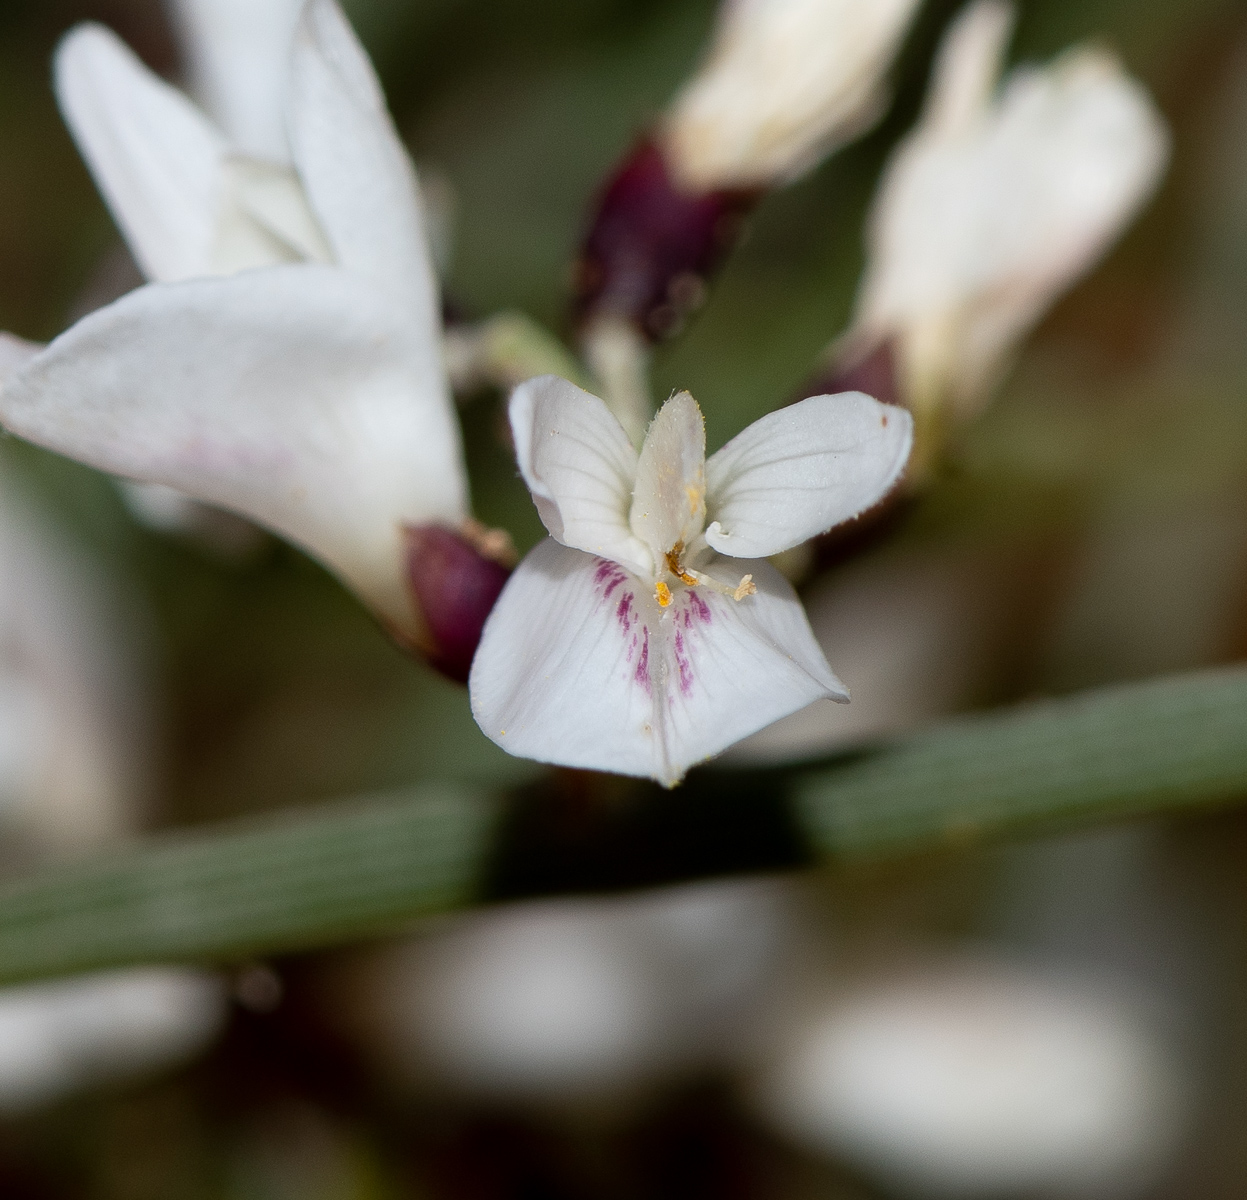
[997, 201]
[648, 632]
[306, 393]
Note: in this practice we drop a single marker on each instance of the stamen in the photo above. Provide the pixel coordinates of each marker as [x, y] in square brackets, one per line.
[662, 593]
[746, 587]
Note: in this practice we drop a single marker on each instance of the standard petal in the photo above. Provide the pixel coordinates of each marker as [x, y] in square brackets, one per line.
[802, 469]
[358, 176]
[669, 502]
[238, 52]
[579, 465]
[578, 665]
[292, 395]
[155, 157]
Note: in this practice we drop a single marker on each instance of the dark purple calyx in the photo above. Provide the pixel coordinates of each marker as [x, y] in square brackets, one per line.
[652, 247]
[455, 581]
[872, 371]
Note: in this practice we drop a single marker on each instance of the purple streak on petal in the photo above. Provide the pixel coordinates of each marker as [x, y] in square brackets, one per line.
[684, 665]
[651, 247]
[608, 576]
[641, 674]
[698, 607]
[455, 587]
[623, 613]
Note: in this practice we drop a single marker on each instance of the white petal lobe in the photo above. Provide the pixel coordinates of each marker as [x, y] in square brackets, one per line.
[292, 395]
[802, 469]
[154, 156]
[358, 176]
[239, 57]
[579, 465]
[578, 665]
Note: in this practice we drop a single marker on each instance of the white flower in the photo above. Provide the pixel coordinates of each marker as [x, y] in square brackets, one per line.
[970, 1076]
[997, 202]
[75, 761]
[61, 1036]
[648, 633]
[572, 999]
[786, 82]
[308, 395]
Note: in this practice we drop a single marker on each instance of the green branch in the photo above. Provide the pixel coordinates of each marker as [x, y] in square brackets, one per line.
[312, 878]
[336, 873]
[1124, 751]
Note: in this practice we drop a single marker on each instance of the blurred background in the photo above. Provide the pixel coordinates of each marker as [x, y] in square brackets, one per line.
[1060, 1017]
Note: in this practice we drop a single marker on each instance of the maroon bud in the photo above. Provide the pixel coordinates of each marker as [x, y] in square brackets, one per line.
[872, 372]
[455, 577]
[652, 247]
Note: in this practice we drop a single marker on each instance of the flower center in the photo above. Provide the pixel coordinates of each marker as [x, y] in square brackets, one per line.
[678, 569]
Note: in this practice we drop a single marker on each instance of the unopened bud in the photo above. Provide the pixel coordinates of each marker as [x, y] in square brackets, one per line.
[652, 245]
[455, 576]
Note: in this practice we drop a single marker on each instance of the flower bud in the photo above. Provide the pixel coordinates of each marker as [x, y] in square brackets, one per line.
[785, 83]
[653, 245]
[455, 576]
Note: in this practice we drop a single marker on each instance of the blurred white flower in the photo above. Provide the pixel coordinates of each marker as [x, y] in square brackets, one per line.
[786, 81]
[974, 1077]
[568, 1000]
[238, 59]
[648, 633]
[61, 1036]
[309, 394]
[993, 205]
[75, 753]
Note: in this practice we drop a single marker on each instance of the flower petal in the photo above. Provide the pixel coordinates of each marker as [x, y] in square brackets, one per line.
[579, 465]
[358, 176]
[15, 353]
[293, 395]
[579, 665]
[802, 469]
[669, 502]
[155, 157]
[238, 52]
